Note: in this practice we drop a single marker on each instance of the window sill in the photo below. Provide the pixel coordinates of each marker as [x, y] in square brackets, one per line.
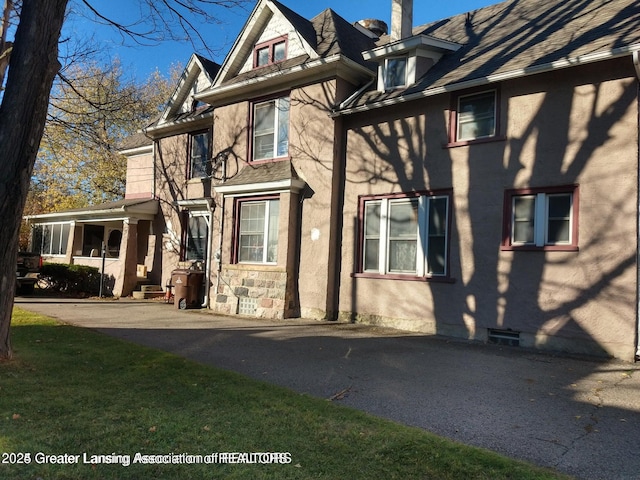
[269, 267]
[465, 143]
[533, 248]
[408, 278]
[269, 160]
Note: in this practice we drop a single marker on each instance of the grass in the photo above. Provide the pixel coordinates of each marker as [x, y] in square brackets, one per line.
[75, 391]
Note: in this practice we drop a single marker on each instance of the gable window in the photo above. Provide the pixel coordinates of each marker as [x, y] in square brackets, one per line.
[51, 239]
[270, 52]
[405, 235]
[257, 230]
[541, 219]
[195, 236]
[395, 73]
[199, 147]
[271, 129]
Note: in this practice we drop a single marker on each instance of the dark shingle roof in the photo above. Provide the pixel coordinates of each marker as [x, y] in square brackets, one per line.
[136, 140]
[263, 173]
[523, 35]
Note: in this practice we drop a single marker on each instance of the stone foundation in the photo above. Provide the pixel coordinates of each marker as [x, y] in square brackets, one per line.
[254, 292]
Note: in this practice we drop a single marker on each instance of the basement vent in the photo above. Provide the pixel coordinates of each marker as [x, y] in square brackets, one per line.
[247, 306]
[504, 337]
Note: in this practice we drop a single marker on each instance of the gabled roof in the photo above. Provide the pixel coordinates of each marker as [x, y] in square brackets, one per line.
[325, 37]
[197, 68]
[517, 38]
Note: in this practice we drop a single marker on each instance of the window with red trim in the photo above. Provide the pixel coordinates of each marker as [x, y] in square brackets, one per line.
[541, 219]
[270, 52]
[256, 230]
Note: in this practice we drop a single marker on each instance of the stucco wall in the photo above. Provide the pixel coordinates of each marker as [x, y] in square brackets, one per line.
[140, 176]
[585, 133]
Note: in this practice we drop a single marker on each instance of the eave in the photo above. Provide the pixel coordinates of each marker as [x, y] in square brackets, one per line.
[494, 78]
[315, 70]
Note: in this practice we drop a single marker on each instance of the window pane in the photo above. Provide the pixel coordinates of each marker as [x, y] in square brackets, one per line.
[279, 52]
[265, 115]
[199, 155]
[437, 248]
[476, 116]
[46, 239]
[371, 236]
[403, 233]
[37, 237]
[559, 219]
[272, 244]
[55, 239]
[66, 228]
[262, 56]
[523, 218]
[402, 256]
[283, 127]
[396, 72]
[403, 219]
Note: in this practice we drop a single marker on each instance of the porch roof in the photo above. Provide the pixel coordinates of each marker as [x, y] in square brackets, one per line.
[137, 209]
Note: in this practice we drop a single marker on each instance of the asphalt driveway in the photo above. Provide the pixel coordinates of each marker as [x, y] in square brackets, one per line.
[579, 416]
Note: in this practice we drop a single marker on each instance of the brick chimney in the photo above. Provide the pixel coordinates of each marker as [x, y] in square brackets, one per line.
[401, 19]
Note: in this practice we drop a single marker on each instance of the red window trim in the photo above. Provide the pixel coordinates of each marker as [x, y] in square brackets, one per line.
[453, 118]
[362, 199]
[235, 233]
[506, 245]
[270, 44]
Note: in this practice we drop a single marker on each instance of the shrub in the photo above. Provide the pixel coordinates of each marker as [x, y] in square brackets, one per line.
[71, 279]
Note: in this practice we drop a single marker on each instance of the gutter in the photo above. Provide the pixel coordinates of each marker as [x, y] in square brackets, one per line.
[498, 77]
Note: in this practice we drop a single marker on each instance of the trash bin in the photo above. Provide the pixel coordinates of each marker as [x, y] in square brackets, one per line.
[187, 288]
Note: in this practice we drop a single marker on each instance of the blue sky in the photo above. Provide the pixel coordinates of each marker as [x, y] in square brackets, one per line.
[142, 60]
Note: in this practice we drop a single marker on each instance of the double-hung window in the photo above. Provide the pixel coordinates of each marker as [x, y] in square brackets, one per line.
[405, 235]
[271, 129]
[257, 227]
[475, 116]
[541, 218]
[199, 146]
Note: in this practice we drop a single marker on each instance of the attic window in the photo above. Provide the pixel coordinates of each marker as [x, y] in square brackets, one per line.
[395, 73]
[270, 52]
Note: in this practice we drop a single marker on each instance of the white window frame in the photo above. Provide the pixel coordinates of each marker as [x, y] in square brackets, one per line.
[62, 246]
[461, 117]
[268, 231]
[282, 108]
[423, 268]
[541, 219]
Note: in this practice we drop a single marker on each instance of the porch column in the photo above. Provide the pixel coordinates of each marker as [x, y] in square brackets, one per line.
[129, 256]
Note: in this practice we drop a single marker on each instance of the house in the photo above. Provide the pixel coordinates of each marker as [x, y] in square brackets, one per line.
[475, 177]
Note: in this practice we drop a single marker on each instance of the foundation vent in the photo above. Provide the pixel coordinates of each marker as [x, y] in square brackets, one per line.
[247, 306]
[504, 337]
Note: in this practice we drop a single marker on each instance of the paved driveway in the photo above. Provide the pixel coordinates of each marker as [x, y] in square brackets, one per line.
[578, 416]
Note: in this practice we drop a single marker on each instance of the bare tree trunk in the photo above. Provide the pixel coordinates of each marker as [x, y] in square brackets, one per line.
[34, 63]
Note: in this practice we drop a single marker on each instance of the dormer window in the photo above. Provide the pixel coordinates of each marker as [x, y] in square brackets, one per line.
[270, 52]
[395, 73]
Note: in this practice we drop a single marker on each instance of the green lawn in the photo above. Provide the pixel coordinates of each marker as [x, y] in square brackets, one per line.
[77, 392]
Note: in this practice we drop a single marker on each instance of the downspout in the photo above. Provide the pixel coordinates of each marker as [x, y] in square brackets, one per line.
[636, 65]
[207, 264]
[219, 252]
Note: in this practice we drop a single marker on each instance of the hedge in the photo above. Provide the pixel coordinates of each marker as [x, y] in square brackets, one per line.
[71, 279]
